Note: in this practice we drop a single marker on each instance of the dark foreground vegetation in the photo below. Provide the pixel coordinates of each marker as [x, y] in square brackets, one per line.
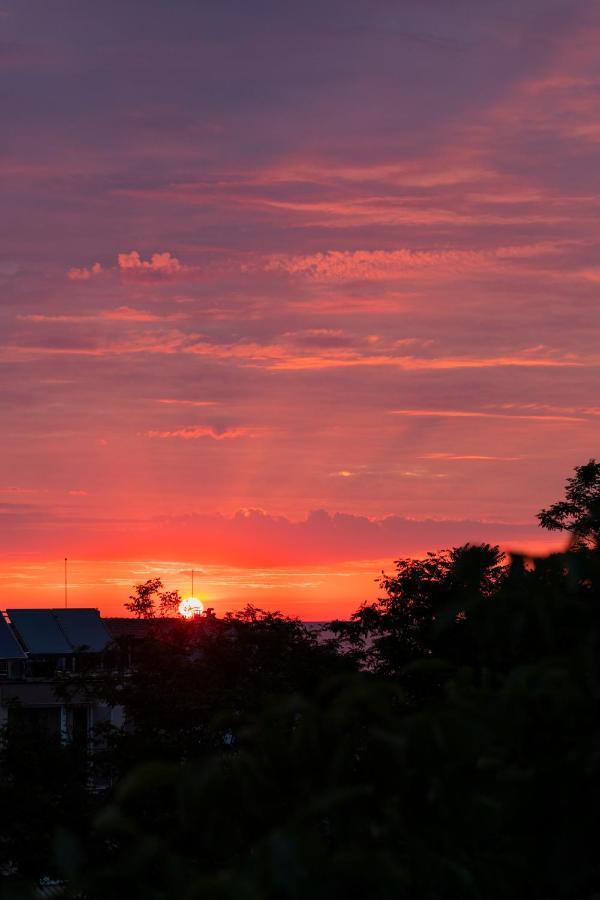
[443, 744]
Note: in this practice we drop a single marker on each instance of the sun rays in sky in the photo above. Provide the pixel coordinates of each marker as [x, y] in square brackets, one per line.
[291, 291]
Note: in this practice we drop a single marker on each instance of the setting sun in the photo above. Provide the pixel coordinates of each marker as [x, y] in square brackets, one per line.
[191, 607]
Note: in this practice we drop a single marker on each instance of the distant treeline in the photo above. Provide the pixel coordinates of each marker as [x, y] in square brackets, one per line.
[444, 744]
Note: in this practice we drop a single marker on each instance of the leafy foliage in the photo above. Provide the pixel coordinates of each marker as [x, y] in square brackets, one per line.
[579, 512]
[150, 599]
[404, 626]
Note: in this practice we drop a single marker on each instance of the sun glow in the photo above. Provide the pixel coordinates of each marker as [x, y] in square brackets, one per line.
[191, 607]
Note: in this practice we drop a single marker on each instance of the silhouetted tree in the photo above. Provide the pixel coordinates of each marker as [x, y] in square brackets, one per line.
[150, 599]
[579, 512]
[168, 603]
[402, 627]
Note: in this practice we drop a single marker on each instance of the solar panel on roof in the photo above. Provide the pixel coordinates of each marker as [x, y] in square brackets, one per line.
[9, 646]
[84, 628]
[39, 631]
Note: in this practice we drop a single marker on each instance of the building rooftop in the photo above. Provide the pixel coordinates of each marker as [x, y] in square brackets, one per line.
[51, 632]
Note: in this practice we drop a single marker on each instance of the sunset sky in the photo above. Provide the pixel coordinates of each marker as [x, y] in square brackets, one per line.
[289, 290]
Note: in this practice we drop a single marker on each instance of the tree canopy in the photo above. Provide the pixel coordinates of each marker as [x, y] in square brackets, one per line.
[151, 599]
[579, 512]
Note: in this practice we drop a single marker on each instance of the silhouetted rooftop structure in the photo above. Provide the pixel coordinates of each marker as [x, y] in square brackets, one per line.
[138, 629]
[51, 632]
[39, 649]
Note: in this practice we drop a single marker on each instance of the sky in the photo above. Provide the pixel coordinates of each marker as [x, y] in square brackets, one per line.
[290, 290]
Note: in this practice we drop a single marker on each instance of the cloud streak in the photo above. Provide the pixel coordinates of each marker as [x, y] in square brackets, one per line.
[196, 432]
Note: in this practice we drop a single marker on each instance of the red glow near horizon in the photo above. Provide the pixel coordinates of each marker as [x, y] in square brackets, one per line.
[287, 335]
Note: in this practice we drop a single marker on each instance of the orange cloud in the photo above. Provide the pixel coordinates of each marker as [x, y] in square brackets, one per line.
[423, 364]
[470, 457]
[130, 263]
[120, 314]
[159, 263]
[377, 265]
[127, 314]
[176, 402]
[163, 343]
[470, 414]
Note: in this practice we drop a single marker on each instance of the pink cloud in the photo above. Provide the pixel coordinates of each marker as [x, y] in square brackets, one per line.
[301, 351]
[182, 402]
[147, 342]
[377, 265]
[424, 364]
[158, 264]
[464, 168]
[127, 314]
[131, 264]
[84, 274]
[561, 101]
[252, 537]
[195, 432]
[120, 314]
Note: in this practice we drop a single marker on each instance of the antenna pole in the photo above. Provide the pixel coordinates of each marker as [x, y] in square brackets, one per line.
[192, 582]
[66, 603]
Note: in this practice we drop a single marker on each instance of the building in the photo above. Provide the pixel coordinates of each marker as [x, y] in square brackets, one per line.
[42, 649]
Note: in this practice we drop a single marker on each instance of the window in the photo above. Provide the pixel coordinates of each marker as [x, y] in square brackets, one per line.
[35, 722]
